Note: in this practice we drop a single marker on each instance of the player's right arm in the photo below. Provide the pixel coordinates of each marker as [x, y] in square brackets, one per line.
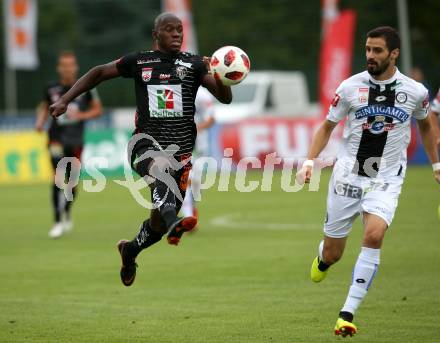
[42, 114]
[91, 79]
[319, 142]
[338, 110]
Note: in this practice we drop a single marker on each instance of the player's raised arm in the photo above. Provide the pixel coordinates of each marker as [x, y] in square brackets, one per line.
[42, 114]
[88, 81]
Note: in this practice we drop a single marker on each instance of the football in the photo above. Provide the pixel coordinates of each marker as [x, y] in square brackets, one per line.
[230, 65]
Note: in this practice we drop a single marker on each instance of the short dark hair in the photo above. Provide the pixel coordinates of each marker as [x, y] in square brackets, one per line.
[66, 53]
[389, 34]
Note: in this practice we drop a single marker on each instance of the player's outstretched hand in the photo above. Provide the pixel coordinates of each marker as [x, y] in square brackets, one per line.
[207, 61]
[304, 174]
[57, 108]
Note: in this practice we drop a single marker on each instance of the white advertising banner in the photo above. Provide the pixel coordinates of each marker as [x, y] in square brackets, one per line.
[20, 33]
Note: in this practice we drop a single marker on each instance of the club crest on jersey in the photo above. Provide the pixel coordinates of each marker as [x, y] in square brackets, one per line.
[146, 74]
[363, 94]
[181, 72]
[401, 97]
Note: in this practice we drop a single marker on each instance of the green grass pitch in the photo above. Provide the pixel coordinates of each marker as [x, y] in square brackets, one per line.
[243, 277]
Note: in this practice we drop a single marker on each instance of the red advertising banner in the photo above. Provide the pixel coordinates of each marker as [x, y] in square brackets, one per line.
[288, 138]
[336, 55]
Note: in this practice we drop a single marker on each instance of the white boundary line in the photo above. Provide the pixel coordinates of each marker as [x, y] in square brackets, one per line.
[238, 221]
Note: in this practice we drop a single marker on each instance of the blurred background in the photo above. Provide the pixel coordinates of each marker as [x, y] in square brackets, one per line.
[286, 36]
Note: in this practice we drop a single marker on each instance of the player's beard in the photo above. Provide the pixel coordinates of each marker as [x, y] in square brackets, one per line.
[378, 68]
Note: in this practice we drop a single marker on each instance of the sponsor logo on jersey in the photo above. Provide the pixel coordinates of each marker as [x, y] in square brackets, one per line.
[380, 98]
[155, 60]
[425, 102]
[185, 64]
[146, 74]
[378, 126]
[181, 72]
[165, 101]
[363, 94]
[164, 76]
[401, 97]
[382, 110]
[335, 100]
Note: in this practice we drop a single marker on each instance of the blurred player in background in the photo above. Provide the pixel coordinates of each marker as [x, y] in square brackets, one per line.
[204, 119]
[166, 82]
[66, 132]
[368, 175]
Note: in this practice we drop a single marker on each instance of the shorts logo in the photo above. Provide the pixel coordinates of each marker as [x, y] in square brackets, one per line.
[165, 99]
[146, 74]
[401, 97]
[181, 72]
[347, 190]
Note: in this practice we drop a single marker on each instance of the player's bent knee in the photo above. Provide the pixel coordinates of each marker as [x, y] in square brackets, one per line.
[373, 239]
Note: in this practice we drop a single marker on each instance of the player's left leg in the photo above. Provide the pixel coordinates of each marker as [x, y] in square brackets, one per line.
[364, 272]
[75, 166]
[187, 223]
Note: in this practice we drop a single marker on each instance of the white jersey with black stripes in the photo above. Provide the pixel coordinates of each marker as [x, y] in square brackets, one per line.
[377, 122]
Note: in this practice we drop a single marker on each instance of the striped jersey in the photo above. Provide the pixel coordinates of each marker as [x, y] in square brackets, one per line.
[165, 86]
[378, 122]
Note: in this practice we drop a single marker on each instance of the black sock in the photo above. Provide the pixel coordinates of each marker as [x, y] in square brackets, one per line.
[145, 238]
[56, 194]
[347, 316]
[165, 200]
[322, 266]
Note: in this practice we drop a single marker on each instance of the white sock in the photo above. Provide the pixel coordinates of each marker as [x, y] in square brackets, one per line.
[363, 274]
[320, 249]
[187, 205]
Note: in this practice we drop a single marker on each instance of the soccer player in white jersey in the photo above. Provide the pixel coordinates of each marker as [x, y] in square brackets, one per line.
[204, 119]
[377, 105]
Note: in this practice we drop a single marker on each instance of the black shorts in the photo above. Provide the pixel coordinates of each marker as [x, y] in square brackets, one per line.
[180, 176]
[57, 151]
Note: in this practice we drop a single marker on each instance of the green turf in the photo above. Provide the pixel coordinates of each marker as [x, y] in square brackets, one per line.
[248, 282]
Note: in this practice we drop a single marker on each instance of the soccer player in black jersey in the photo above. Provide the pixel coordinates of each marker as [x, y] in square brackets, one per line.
[165, 82]
[65, 132]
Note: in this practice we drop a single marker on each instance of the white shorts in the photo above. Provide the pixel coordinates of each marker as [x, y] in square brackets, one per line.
[351, 195]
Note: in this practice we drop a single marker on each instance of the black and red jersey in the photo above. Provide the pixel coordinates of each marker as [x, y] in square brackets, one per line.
[166, 86]
[64, 130]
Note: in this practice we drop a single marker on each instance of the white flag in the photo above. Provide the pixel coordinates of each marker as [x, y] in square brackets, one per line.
[21, 31]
